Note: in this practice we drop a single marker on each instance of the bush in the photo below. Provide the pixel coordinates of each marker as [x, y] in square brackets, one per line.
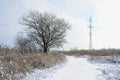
[14, 66]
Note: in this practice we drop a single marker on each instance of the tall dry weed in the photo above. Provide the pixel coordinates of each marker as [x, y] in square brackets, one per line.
[14, 66]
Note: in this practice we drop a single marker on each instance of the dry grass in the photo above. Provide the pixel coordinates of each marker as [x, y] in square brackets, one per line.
[14, 66]
[93, 52]
[98, 55]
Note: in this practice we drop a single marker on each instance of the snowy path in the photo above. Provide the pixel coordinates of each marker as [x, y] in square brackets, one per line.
[74, 69]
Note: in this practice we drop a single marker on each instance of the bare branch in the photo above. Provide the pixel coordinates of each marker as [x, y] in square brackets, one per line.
[46, 29]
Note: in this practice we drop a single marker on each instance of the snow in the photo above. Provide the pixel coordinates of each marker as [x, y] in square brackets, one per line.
[111, 71]
[73, 69]
[109, 65]
[79, 68]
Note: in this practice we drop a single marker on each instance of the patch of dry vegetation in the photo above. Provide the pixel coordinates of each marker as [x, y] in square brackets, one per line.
[92, 53]
[112, 56]
[14, 66]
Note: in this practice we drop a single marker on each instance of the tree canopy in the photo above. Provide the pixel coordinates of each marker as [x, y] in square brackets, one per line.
[46, 29]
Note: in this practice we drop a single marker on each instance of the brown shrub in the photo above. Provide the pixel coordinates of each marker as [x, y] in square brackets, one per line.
[14, 66]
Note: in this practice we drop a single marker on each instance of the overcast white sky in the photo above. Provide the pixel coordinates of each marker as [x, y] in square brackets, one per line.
[105, 15]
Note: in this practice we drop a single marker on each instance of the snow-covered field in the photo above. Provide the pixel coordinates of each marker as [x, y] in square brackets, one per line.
[76, 69]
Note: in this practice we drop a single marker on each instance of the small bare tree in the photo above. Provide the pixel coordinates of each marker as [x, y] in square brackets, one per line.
[25, 44]
[21, 43]
[46, 29]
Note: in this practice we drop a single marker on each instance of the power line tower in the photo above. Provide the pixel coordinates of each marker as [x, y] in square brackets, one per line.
[90, 34]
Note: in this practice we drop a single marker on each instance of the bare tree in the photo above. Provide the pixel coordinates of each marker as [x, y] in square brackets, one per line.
[21, 43]
[45, 28]
[25, 45]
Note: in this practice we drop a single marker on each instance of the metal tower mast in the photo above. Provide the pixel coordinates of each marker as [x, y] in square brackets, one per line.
[90, 34]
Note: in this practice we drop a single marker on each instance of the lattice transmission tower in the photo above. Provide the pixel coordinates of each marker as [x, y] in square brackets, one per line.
[90, 33]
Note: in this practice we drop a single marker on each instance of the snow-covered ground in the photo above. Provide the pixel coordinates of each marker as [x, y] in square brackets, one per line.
[74, 69]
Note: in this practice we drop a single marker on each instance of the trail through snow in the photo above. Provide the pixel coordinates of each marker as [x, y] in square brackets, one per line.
[73, 69]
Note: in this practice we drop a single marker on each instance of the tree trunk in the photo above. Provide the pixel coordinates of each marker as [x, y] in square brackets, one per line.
[45, 50]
